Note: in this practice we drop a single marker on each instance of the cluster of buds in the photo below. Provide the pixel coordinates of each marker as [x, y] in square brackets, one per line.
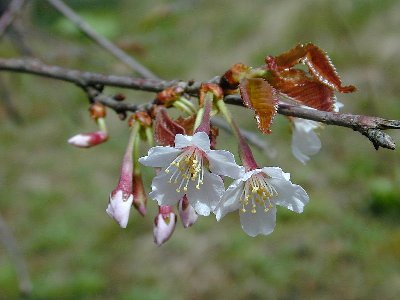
[191, 173]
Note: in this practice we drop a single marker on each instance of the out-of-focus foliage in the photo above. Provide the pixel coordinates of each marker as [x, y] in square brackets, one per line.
[345, 245]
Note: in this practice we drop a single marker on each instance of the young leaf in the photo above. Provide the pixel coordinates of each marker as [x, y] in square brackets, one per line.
[296, 85]
[258, 95]
[318, 62]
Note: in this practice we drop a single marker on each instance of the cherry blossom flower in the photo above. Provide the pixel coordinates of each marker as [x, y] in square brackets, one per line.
[305, 142]
[190, 168]
[256, 193]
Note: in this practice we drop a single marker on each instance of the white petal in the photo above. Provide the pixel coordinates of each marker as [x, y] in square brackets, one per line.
[199, 139]
[223, 163]
[164, 192]
[159, 156]
[80, 140]
[260, 222]
[208, 195]
[276, 172]
[305, 142]
[119, 208]
[291, 196]
[230, 199]
[202, 141]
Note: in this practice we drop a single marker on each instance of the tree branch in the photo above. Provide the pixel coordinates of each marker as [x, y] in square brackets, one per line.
[6, 19]
[100, 40]
[369, 126]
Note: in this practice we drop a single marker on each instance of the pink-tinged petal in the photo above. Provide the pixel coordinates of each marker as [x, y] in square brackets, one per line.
[163, 191]
[223, 163]
[208, 195]
[187, 213]
[119, 207]
[87, 140]
[260, 222]
[163, 228]
[160, 156]
[291, 196]
[230, 199]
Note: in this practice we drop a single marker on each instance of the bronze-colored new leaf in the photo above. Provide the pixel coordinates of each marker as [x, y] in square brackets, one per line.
[258, 95]
[318, 62]
[296, 85]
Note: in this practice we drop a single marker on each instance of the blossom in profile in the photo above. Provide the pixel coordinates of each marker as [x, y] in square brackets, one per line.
[305, 142]
[164, 225]
[87, 140]
[256, 193]
[190, 168]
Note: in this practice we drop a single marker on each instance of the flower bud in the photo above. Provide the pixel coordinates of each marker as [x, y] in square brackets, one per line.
[186, 212]
[87, 140]
[164, 224]
[119, 207]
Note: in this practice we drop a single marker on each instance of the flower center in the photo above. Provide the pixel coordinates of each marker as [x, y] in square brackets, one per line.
[257, 191]
[188, 166]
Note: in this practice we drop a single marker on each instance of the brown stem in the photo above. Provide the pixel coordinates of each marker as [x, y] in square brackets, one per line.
[369, 126]
[100, 40]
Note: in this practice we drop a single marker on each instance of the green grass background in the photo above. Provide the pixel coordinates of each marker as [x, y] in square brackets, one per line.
[346, 245]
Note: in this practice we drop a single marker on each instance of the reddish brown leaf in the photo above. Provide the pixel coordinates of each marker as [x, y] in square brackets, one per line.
[318, 62]
[258, 95]
[165, 128]
[296, 85]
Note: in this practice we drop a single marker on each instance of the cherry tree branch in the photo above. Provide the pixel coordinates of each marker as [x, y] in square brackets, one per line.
[6, 19]
[86, 29]
[369, 126]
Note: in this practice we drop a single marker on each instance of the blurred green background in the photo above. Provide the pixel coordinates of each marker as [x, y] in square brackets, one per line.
[346, 245]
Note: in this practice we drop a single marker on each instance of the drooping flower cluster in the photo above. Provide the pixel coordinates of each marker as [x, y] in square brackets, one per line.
[191, 174]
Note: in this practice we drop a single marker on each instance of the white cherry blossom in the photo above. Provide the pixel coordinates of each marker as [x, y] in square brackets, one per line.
[305, 142]
[190, 168]
[256, 193]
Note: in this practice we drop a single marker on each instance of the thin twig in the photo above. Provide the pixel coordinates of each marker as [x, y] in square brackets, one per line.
[10, 14]
[100, 40]
[369, 126]
[7, 238]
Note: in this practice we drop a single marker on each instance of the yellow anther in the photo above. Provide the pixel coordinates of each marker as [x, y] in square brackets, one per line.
[178, 190]
[253, 211]
[166, 171]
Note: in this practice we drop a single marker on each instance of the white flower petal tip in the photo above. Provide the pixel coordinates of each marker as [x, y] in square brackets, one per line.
[187, 213]
[87, 140]
[305, 142]
[186, 170]
[119, 207]
[256, 195]
[164, 227]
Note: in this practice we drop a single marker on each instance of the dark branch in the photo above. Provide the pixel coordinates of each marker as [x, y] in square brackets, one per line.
[369, 126]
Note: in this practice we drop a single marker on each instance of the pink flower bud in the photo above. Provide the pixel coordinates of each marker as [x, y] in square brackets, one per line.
[164, 224]
[87, 140]
[121, 197]
[119, 207]
[186, 212]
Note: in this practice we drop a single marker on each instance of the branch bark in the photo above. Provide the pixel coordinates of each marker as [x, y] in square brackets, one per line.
[100, 40]
[369, 126]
